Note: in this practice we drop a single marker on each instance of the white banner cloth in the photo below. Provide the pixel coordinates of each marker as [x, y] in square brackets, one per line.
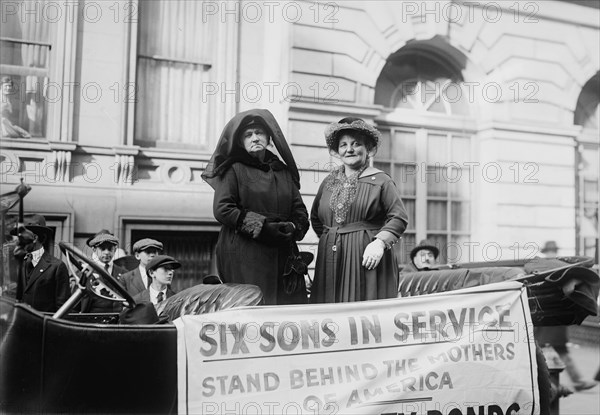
[465, 352]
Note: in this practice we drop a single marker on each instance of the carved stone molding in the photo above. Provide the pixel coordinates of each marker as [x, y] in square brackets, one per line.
[126, 173]
[60, 161]
[176, 173]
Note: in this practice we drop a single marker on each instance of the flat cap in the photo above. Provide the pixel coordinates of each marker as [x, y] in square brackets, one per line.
[161, 261]
[103, 238]
[146, 243]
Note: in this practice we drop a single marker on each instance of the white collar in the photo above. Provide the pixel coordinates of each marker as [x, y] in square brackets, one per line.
[37, 255]
[144, 275]
[102, 264]
[369, 171]
[154, 294]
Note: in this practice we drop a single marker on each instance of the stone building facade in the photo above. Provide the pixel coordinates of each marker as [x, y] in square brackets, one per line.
[489, 112]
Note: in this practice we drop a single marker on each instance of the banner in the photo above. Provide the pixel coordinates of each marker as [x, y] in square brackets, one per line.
[466, 352]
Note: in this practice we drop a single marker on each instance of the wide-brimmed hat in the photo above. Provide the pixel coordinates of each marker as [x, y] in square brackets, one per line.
[36, 224]
[550, 246]
[146, 243]
[101, 237]
[161, 261]
[128, 262]
[332, 131]
[425, 244]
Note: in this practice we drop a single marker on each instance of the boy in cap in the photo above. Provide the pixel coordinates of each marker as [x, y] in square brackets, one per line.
[43, 279]
[160, 270]
[136, 281]
[104, 245]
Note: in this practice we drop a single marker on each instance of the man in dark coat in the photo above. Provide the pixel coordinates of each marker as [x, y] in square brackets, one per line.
[104, 245]
[43, 279]
[136, 281]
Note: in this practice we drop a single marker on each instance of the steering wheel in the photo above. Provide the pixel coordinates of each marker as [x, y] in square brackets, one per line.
[105, 280]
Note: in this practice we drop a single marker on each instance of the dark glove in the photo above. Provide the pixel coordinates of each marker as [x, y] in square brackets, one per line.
[297, 233]
[287, 227]
[274, 233]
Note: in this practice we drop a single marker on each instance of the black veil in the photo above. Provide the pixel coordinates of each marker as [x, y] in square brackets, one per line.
[230, 148]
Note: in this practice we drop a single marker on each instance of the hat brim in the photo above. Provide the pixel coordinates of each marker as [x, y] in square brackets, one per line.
[160, 248]
[434, 249]
[128, 262]
[332, 132]
[173, 264]
[37, 229]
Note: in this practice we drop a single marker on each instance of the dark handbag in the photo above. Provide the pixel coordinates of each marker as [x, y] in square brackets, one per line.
[296, 267]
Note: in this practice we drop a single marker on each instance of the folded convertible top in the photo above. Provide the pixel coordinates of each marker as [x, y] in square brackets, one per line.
[561, 291]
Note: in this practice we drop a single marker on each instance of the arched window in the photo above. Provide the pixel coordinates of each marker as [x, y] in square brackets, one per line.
[587, 115]
[426, 147]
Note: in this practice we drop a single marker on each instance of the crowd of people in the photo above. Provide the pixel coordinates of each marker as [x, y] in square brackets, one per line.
[357, 214]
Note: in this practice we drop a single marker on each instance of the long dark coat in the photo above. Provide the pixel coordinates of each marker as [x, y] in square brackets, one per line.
[246, 192]
[240, 258]
[47, 288]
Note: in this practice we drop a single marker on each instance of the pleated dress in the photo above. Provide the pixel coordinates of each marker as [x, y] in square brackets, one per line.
[339, 274]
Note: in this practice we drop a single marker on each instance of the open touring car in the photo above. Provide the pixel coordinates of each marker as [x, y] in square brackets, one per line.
[422, 352]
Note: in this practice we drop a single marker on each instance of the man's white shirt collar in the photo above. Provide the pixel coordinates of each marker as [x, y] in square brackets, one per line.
[36, 256]
[154, 294]
[144, 275]
[110, 266]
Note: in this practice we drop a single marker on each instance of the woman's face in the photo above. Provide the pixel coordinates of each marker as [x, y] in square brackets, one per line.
[255, 140]
[353, 151]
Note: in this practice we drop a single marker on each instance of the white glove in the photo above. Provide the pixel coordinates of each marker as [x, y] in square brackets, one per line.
[373, 253]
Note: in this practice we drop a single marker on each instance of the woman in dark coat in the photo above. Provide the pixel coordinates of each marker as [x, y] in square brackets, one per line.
[257, 200]
[358, 216]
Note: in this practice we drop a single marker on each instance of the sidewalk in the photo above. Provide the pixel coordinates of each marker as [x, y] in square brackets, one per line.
[587, 402]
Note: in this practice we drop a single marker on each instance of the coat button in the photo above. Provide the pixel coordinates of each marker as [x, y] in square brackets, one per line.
[334, 248]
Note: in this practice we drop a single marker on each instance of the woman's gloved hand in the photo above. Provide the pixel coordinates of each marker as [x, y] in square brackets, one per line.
[277, 232]
[287, 227]
[373, 253]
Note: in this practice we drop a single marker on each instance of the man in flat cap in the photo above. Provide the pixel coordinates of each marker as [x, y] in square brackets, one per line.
[160, 270]
[43, 279]
[136, 281]
[423, 257]
[104, 245]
